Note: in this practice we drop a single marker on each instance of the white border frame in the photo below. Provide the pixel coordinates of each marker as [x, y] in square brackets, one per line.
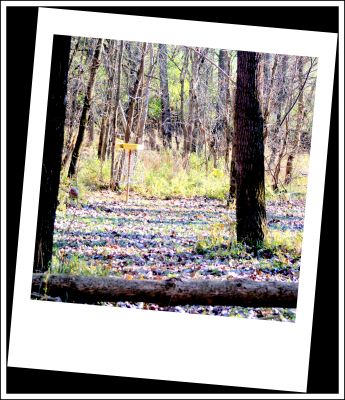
[168, 346]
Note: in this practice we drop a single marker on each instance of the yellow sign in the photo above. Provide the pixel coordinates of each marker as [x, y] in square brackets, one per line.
[130, 146]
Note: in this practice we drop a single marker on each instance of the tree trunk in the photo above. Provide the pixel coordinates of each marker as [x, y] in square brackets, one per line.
[283, 138]
[54, 137]
[282, 96]
[111, 108]
[163, 74]
[280, 157]
[182, 96]
[133, 101]
[110, 56]
[74, 89]
[116, 106]
[228, 115]
[250, 184]
[134, 93]
[190, 145]
[145, 100]
[91, 130]
[299, 126]
[237, 292]
[268, 91]
[85, 111]
[220, 127]
[232, 188]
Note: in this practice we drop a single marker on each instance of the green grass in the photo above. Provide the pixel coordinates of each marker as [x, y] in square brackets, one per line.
[165, 175]
[221, 242]
[75, 265]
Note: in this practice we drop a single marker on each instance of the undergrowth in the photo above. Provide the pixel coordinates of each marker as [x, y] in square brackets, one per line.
[167, 175]
[75, 265]
[220, 241]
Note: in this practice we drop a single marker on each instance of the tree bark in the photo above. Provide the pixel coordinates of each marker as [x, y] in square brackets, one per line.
[116, 106]
[182, 101]
[110, 55]
[237, 292]
[164, 87]
[134, 93]
[232, 188]
[219, 130]
[85, 111]
[282, 152]
[75, 88]
[133, 101]
[280, 105]
[299, 125]
[110, 115]
[146, 99]
[250, 184]
[268, 91]
[54, 138]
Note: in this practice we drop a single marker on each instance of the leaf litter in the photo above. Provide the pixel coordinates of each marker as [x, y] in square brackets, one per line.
[150, 238]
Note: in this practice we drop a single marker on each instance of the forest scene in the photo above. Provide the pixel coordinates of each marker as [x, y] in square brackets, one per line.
[174, 178]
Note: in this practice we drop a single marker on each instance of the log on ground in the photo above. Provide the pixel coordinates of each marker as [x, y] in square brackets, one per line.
[236, 292]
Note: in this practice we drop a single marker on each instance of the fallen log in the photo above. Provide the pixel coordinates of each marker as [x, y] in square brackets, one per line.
[238, 292]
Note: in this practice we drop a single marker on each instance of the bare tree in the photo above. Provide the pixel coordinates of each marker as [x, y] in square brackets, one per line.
[86, 108]
[116, 106]
[163, 73]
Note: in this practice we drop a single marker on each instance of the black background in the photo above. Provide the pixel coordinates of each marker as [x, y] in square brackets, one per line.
[21, 32]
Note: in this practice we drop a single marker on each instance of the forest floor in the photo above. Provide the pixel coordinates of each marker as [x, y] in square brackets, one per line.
[150, 238]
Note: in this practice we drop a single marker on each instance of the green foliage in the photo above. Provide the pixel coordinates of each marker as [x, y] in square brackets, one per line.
[93, 174]
[165, 176]
[155, 107]
[220, 241]
[63, 197]
[297, 188]
[284, 242]
[75, 265]
[174, 72]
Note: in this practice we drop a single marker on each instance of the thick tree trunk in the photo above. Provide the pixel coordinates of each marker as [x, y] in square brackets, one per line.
[85, 111]
[163, 74]
[52, 154]
[238, 292]
[250, 184]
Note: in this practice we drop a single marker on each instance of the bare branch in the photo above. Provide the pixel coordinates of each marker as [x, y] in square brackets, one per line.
[300, 91]
[213, 63]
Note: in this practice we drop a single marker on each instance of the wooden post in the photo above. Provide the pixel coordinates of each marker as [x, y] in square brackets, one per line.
[128, 174]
